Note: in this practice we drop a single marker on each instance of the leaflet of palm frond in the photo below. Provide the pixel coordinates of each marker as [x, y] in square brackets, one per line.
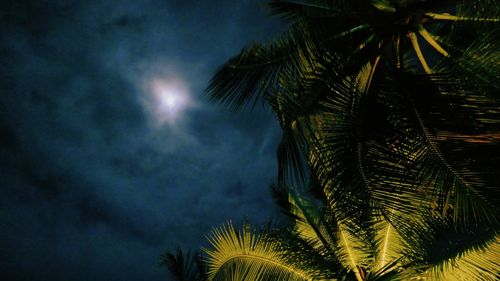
[259, 69]
[476, 64]
[352, 252]
[396, 181]
[472, 122]
[461, 118]
[246, 255]
[292, 150]
[453, 105]
[352, 228]
[315, 189]
[322, 230]
[184, 266]
[441, 245]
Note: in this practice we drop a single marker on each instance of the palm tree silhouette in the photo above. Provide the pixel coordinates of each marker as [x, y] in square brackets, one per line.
[396, 98]
[391, 124]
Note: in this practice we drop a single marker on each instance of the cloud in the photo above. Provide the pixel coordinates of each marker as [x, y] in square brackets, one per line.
[89, 191]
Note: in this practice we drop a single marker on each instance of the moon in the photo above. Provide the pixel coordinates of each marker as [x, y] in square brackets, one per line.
[166, 100]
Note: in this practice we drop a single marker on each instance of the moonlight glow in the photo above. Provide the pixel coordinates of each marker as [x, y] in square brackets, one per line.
[166, 100]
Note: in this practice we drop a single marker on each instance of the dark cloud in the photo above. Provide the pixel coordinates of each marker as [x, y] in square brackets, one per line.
[89, 189]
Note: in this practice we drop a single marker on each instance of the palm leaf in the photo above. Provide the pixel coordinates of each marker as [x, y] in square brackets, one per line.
[259, 70]
[441, 249]
[389, 244]
[184, 266]
[248, 256]
[450, 186]
[480, 264]
[476, 65]
[309, 223]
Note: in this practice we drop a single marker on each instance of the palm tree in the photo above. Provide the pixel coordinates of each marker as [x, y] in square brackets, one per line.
[327, 244]
[184, 266]
[391, 124]
[392, 98]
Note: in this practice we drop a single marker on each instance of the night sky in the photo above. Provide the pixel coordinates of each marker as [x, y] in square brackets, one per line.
[110, 152]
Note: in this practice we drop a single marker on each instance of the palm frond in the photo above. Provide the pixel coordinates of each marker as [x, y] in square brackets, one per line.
[184, 266]
[479, 264]
[390, 272]
[297, 104]
[389, 244]
[259, 70]
[440, 248]
[308, 223]
[296, 10]
[451, 188]
[478, 9]
[248, 256]
[475, 64]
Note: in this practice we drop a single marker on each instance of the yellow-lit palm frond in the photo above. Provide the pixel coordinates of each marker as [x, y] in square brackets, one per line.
[479, 264]
[351, 252]
[424, 247]
[308, 224]
[244, 255]
[388, 244]
[327, 233]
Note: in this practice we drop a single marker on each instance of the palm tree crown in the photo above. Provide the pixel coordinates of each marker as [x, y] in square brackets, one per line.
[391, 127]
[325, 244]
[365, 106]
